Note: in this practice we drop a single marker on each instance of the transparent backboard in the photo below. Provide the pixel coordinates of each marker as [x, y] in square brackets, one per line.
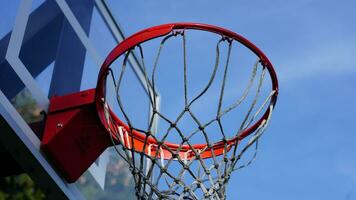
[52, 48]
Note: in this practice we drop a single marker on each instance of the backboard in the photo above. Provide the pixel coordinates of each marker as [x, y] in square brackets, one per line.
[50, 48]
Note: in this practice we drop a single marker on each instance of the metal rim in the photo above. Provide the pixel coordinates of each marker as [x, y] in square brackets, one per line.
[161, 30]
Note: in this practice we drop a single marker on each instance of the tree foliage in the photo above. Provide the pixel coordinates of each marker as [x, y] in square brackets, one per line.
[19, 187]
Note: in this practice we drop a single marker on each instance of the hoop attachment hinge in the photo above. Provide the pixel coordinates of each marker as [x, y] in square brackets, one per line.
[74, 137]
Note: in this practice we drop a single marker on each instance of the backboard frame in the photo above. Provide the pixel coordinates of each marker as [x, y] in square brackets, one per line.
[18, 138]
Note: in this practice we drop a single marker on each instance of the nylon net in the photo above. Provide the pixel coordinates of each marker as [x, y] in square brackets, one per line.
[186, 170]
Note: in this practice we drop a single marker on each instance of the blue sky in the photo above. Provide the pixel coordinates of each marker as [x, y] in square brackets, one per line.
[308, 152]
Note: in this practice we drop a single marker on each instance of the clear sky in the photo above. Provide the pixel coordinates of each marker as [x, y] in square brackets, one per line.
[308, 151]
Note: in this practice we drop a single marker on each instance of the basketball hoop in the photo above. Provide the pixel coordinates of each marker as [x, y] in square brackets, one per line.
[208, 165]
[144, 143]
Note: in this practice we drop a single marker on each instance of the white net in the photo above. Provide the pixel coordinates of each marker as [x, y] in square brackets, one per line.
[186, 170]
